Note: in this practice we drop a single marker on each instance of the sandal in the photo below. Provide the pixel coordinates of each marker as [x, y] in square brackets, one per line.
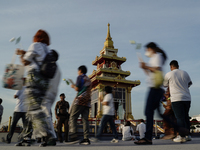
[143, 142]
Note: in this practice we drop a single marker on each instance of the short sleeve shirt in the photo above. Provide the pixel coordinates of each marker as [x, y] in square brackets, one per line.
[178, 82]
[155, 61]
[62, 107]
[108, 109]
[35, 51]
[142, 129]
[20, 103]
[80, 82]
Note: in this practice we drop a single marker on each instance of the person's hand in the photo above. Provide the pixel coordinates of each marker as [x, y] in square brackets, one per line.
[143, 65]
[20, 52]
[56, 117]
[72, 86]
[100, 99]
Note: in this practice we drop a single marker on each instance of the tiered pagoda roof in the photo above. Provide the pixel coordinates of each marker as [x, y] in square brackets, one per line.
[109, 66]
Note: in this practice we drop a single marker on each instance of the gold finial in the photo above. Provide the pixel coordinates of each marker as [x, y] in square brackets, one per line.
[108, 43]
[108, 32]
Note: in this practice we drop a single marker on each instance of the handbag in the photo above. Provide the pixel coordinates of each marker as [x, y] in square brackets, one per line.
[158, 79]
[13, 76]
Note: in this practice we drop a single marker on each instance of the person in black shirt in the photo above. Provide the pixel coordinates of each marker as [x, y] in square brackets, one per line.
[61, 113]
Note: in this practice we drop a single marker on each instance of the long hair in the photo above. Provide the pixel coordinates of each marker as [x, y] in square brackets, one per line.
[155, 48]
[41, 36]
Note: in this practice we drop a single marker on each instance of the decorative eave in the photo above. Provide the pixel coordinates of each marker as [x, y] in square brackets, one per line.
[116, 80]
[102, 57]
[107, 70]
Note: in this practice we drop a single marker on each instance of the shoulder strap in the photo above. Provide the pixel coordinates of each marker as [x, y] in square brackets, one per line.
[45, 49]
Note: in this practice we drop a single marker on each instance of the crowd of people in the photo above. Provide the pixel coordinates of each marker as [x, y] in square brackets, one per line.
[35, 99]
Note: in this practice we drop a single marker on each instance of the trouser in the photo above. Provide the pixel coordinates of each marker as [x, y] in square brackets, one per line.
[104, 120]
[74, 114]
[153, 103]
[47, 109]
[63, 120]
[16, 117]
[181, 111]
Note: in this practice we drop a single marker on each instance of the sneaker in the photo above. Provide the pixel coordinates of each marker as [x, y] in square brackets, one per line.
[85, 142]
[5, 141]
[167, 137]
[179, 139]
[188, 138]
[93, 139]
[24, 142]
[73, 141]
[114, 141]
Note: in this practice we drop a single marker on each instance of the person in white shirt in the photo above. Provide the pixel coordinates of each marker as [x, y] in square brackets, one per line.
[156, 62]
[108, 115]
[19, 113]
[141, 128]
[127, 132]
[179, 82]
[36, 88]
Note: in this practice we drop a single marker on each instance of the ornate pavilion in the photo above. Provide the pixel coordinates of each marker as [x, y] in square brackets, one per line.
[109, 72]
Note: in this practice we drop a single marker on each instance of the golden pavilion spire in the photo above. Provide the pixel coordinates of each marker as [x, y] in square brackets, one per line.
[108, 43]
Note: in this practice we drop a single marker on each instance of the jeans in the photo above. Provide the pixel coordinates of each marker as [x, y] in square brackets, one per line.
[181, 111]
[152, 103]
[16, 117]
[104, 120]
[74, 114]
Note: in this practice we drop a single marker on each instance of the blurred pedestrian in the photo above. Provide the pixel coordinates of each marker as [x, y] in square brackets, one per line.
[170, 133]
[108, 116]
[36, 87]
[154, 73]
[81, 106]
[19, 113]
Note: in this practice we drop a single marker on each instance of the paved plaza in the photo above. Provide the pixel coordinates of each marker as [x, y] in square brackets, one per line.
[122, 145]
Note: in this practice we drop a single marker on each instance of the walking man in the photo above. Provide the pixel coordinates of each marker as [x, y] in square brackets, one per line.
[80, 106]
[179, 82]
[19, 112]
[61, 113]
[108, 115]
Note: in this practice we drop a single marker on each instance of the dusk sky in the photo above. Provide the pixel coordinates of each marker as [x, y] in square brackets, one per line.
[78, 30]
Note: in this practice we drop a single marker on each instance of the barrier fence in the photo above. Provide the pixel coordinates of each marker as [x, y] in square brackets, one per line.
[94, 122]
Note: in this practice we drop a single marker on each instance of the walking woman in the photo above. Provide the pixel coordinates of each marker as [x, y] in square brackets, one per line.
[154, 67]
[36, 87]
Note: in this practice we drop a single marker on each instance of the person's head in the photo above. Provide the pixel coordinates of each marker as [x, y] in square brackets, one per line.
[41, 36]
[141, 120]
[82, 70]
[152, 48]
[128, 123]
[1, 100]
[62, 96]
[174, 65]
[108, 89]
